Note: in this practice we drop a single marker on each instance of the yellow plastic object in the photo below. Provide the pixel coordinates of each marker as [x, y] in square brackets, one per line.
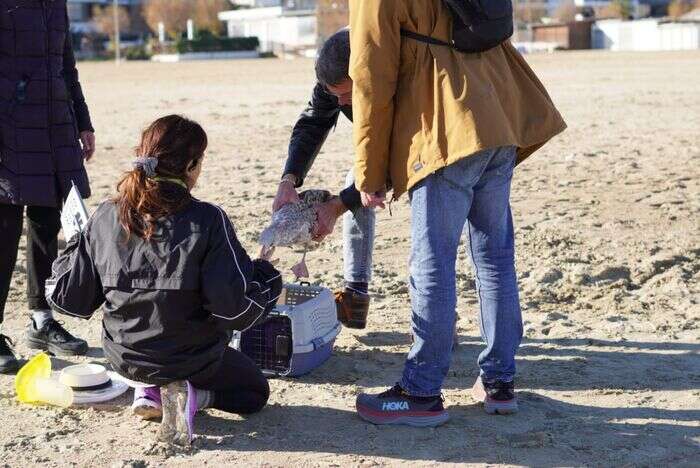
[34, 384]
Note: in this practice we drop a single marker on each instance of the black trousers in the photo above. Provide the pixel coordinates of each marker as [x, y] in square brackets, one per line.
[43, 225]
[239, 386]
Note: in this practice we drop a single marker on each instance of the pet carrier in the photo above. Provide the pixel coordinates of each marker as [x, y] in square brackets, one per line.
[297, 336]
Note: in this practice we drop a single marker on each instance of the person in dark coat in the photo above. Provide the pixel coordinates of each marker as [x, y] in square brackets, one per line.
[45, 135]
[174, 282]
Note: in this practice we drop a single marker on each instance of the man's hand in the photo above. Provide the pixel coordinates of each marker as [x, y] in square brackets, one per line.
[266, 253]
[87, 139]
[373, 200]
[326, 215]
[286, 194]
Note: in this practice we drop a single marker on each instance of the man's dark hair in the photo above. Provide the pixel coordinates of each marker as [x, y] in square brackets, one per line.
[334, 59]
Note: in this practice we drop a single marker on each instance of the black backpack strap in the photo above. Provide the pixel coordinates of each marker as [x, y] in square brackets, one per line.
[422, 38]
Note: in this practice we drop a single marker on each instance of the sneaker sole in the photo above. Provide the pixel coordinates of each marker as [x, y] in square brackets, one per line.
[501, 407]
[53, 349]
[403, 419]
[357, 325]
[147, 413]
[493, 406]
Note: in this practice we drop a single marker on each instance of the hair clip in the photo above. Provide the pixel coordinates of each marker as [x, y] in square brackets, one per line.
[147, 164]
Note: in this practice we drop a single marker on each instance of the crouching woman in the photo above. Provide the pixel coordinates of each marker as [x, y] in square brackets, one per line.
[174, 282]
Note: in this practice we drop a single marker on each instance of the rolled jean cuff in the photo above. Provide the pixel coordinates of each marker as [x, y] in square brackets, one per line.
[367, 278]
[491, 376]
[410, 389]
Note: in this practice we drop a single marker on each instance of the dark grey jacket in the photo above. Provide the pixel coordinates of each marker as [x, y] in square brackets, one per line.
[42, 108]
[170, 304]
[309, 134]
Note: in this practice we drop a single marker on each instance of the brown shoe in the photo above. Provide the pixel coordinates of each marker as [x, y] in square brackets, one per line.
[352, 308]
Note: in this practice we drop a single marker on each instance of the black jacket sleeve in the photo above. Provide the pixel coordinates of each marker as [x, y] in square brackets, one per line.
[75, 287]
[310, 132]
[237, 292]
[75, 91]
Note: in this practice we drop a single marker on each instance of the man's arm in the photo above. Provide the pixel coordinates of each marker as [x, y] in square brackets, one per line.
[310, 132]
[375, 42]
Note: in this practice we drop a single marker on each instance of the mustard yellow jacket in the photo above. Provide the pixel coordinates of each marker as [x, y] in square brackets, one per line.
[419, 107]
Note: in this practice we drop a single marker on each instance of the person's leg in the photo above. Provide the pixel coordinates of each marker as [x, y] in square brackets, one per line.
[439, 208]
[11, 217]
[492, 248]
[358, 242]
[43, 225]
[358, 245]
[237, 387]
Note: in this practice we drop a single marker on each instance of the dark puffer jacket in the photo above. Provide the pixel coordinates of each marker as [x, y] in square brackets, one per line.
[42, 107]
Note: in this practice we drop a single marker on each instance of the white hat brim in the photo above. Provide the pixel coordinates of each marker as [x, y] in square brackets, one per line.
[116, 389]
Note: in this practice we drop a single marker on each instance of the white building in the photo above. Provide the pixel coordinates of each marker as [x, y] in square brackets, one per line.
[279, 29]
[646, 35]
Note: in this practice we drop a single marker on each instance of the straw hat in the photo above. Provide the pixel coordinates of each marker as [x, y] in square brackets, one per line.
[91, 383]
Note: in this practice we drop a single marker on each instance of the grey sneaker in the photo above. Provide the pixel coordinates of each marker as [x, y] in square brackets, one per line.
[8, 360]
[497, 396]
[395, 406]
[179, 400]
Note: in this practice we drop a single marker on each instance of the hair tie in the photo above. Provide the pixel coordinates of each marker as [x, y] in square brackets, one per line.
[146, 164]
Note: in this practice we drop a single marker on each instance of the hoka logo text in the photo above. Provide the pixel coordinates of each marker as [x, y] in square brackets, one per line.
[394, 406]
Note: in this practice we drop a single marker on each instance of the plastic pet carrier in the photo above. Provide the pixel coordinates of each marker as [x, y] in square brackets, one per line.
[297, 336]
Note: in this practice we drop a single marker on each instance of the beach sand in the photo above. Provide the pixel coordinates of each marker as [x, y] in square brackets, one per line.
[608, 259]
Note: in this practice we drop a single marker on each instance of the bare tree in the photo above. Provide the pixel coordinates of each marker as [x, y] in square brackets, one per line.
[206, 14]
[529, 11]
[103, 17]
[678, 8]
[566, 12]
[172, 13]
[617, 9]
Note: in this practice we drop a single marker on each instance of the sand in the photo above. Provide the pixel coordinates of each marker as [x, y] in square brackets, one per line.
[607, 255]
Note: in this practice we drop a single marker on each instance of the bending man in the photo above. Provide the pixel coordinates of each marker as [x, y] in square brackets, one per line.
[332, 96]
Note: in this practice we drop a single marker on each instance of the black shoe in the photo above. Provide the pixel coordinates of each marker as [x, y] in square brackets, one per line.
[8, 360]
[497, 396]
[395, 406]
[52, 337]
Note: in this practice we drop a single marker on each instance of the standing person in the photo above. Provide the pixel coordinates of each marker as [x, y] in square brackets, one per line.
[44, 120]
[175, 282]
[448, 128]
[332, 96]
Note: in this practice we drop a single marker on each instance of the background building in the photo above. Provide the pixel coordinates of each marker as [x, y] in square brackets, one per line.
[287, 28]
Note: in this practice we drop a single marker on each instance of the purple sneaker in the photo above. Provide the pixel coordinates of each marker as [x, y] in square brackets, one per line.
[147, 403]
[179, 407]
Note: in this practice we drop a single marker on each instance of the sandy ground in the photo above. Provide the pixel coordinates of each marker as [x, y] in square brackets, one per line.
[608, 260]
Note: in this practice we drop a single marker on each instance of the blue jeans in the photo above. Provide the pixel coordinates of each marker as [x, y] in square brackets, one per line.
[358, 241]
[470, 196]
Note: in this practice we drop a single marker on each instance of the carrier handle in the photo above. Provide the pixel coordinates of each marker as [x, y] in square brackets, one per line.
[304, 283]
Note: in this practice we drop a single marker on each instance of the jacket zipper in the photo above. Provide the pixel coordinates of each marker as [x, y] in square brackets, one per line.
[49, 107]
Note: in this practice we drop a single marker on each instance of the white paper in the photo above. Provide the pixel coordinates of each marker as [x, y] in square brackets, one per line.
[74, 216]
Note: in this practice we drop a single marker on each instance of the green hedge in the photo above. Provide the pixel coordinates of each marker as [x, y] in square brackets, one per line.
[211, 43]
